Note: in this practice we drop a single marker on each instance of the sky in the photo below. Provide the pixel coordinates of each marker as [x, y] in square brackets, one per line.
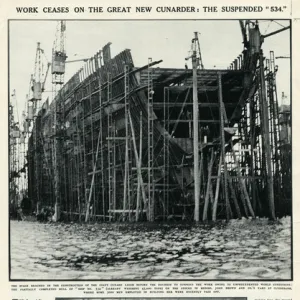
[220, 42]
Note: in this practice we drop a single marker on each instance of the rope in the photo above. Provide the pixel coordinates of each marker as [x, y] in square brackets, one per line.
[268, 27]
[278, 23]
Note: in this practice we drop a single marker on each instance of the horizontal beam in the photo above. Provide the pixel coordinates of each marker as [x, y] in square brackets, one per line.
[186, 87]
[180, 104]
[188, 121]
[235, 177]
[124, 211]
[122, 138]
[199, 72]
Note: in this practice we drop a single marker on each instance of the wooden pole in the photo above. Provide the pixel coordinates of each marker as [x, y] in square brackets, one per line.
[92, 131]
[56, 216]
[138, 161]
[126, 112]
[237, 208]
[87, 214]
[204, 217]
[151, 199]
[109, 158]
[114, 172]
[223, 155]
[252, 116]
[196, 134]
[201, 172]
[266, 138]
[101, 134]
[215, 205]
[242, 183]
[77, 166]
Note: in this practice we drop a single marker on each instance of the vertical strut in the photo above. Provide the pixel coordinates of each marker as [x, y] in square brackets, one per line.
[102, 173]
[127, 190]
[110, 142]
[266, 138]
[221, 104]
[166, 153]
[109, 146]
[137, 213]
[150, 144]
[196, 134]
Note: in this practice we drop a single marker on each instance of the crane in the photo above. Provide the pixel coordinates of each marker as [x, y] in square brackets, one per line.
[44, 82]
[59, 57]
[244, 32]
[262, 36]
[196, 49]
[77, 60]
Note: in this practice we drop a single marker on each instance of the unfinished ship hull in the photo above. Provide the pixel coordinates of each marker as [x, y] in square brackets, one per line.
[116, 143]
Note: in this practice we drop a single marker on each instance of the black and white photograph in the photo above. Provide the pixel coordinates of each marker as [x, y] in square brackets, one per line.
[150, 150]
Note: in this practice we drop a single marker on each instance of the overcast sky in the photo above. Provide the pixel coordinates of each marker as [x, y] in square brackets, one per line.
[220, 41]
